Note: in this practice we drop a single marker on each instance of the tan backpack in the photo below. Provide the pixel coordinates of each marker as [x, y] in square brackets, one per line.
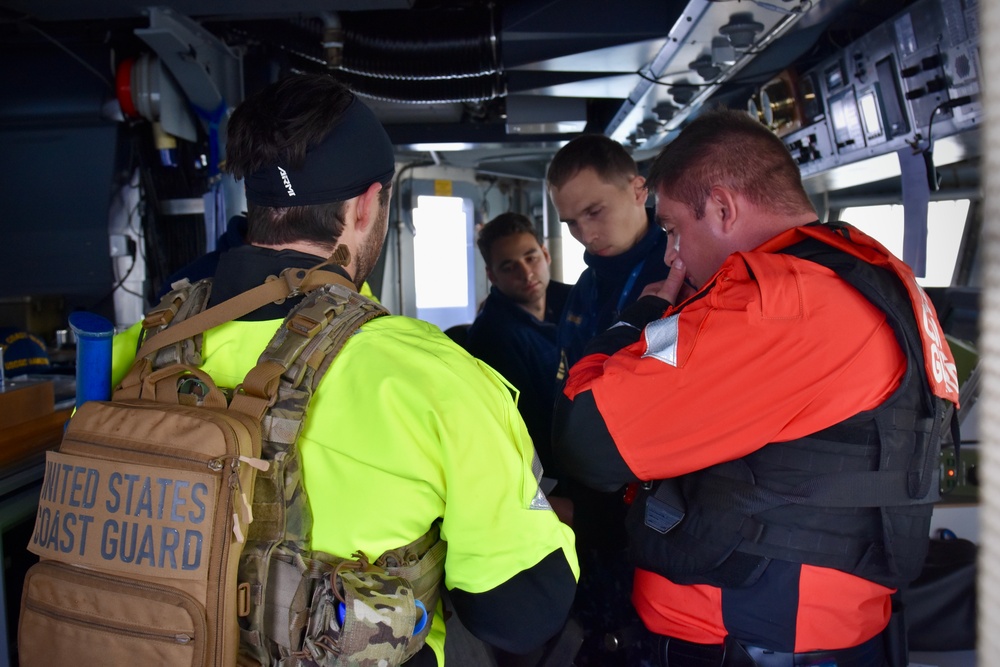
[146, 505]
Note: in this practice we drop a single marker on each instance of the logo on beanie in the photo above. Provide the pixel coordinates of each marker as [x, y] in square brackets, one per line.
[288, 183]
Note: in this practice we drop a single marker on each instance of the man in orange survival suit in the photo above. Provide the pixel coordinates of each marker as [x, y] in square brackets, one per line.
[792, 409]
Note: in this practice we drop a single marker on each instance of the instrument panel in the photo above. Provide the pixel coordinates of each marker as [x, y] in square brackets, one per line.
[910, 81]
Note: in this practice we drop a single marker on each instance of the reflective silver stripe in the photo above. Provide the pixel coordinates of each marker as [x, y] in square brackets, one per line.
[620, 323]
[661, 340]
[536, 467]
[539, 502]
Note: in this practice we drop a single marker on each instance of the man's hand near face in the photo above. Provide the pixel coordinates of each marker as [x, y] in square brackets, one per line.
[674, 288]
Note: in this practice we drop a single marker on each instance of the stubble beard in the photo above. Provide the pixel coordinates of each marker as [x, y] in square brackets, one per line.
[368, 255]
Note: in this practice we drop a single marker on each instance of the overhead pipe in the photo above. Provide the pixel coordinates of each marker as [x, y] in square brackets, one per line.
[441, 56]
[426, 92]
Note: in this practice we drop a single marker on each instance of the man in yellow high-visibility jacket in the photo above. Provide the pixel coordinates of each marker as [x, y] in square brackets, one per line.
[405, 429]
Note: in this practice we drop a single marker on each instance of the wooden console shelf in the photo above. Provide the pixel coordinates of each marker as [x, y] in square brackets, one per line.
[23, 441]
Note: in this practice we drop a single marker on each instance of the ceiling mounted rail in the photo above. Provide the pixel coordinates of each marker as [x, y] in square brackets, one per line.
[721, 41]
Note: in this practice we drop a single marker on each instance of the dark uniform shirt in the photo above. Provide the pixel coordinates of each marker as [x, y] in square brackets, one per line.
[524, 350]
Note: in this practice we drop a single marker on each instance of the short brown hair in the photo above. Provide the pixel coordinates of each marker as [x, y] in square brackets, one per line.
[605, 156]
[730, 148]
[282, 121]
[502, 226]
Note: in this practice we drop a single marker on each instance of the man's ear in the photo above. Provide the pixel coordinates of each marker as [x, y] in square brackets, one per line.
[639, 190]
[724, 208]
[546, 255]
[366, 206]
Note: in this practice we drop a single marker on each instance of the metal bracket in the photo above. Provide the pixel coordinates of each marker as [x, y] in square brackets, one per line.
[208, 71]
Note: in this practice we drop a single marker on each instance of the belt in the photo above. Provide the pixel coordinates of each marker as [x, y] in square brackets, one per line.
[679, 653]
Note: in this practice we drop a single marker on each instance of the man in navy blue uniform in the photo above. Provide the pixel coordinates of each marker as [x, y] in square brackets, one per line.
[597, 190]
[515, 332]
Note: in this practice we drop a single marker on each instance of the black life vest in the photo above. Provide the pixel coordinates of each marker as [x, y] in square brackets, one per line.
[856, 496]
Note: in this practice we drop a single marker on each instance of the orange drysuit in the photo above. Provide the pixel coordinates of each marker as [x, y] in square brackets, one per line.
[773, 348]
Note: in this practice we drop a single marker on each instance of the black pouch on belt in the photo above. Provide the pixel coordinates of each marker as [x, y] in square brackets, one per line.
[664, 507]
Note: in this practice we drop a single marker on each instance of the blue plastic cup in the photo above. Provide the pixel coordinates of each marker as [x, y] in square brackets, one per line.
[93, 356]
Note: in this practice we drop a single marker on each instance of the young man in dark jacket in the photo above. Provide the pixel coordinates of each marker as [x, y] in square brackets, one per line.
[515, 331]
[598, 192]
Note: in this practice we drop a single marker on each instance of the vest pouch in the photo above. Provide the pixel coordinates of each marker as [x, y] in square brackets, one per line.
[422, 567]
[687, 553]
[371, 627]
[269, 503]
[664, 507]
[71, 616]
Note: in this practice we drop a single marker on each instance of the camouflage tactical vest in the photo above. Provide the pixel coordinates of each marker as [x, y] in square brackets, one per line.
[297, 606]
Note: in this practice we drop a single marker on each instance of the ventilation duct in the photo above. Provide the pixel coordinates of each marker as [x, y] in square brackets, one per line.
[421, 57]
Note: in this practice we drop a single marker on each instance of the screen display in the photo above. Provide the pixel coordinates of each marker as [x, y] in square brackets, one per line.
[846, 120]
[870, 114]
[834, 77]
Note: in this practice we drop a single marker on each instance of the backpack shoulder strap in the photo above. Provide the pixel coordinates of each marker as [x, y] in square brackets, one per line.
[291, 282]
[183, 302]
[180, 319]
[301, 352]
[277, 392]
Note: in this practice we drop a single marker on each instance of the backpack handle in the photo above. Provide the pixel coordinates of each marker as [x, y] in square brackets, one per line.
[162, 386]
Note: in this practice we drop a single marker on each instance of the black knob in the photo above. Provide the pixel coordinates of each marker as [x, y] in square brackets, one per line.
[936, 85]
[931, 62]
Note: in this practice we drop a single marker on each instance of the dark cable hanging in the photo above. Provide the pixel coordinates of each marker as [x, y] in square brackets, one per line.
[439, 56]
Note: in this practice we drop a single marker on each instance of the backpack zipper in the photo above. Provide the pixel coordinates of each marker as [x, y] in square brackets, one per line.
[86, 621]
[214, 465]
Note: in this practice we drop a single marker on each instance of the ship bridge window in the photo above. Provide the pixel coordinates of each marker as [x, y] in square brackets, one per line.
[572, 256]
[945, 227]
[442, 263]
